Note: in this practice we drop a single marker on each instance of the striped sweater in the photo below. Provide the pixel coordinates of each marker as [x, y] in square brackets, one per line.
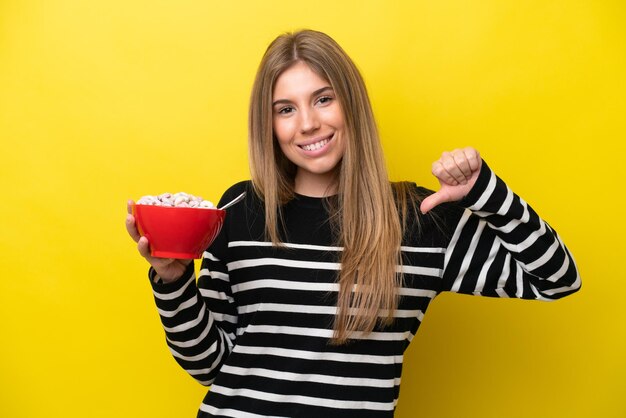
[256, 322]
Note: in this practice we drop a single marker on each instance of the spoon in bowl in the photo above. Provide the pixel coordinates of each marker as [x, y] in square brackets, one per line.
[232, 202]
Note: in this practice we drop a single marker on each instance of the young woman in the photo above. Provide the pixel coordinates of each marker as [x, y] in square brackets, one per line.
[319, 280]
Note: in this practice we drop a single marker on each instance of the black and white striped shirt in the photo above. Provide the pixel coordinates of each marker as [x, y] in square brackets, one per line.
[255, 325]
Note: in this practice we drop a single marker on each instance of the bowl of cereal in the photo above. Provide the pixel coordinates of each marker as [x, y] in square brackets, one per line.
[177, 225]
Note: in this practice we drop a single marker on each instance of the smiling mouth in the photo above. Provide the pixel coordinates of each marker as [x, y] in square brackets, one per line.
[316, 145]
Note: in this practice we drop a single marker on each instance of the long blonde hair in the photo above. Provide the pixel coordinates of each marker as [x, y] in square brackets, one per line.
[368, 219]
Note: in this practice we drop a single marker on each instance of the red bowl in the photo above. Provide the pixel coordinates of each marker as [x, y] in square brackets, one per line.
[178, 232]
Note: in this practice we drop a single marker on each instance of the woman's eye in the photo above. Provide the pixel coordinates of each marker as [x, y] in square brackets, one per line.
[324, 99]
[285, 110]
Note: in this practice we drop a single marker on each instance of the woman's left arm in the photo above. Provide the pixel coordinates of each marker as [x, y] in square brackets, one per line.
[500, 246]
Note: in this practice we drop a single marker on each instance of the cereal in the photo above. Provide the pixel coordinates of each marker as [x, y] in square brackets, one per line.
[177, 200]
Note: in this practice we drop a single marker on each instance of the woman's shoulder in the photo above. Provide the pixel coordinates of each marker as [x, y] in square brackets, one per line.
[439, 222]
[410, 189]
[251, 206]
[235, 190]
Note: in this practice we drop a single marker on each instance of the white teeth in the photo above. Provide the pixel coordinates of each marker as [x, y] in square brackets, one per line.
[316, 146]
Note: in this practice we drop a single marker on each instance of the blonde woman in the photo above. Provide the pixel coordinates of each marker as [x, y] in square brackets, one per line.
[319, 280]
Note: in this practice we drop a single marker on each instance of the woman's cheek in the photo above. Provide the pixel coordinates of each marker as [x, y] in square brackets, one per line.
[283, 130]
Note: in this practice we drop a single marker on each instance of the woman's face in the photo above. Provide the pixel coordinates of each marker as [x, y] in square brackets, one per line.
[309, 126]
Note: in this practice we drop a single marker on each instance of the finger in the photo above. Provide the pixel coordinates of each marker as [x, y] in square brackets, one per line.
[450, 167]
[473, 157]
[463, 164]
[432, 201]
[129, 206]
[442, 174]
[131, 227]
[144, 248]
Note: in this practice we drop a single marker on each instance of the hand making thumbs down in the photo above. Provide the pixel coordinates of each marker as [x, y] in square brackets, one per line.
[457, 172]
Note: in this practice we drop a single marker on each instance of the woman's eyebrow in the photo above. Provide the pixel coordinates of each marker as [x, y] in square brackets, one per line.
[315, 93]
[322, 90]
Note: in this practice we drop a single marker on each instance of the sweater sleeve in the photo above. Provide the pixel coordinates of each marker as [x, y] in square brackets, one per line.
[502, 248]
[199, 317]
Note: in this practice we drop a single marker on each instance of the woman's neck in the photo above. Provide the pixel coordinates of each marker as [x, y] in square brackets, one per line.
[315, 185]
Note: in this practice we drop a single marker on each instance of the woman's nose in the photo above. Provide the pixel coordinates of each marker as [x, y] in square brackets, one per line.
[309, 121]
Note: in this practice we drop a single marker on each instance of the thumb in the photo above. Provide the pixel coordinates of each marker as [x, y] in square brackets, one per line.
[432, 201]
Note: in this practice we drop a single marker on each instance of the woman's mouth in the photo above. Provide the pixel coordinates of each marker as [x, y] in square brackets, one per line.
[317, 145]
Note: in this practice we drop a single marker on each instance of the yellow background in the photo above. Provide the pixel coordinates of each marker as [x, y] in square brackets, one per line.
[110, 100]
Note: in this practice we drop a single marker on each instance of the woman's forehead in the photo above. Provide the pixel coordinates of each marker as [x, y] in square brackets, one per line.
[299, 78]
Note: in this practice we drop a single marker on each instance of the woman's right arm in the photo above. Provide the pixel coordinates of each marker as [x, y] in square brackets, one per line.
[199, 336]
